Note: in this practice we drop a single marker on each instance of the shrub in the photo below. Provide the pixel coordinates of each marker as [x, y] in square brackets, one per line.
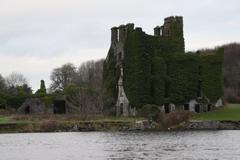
[175, 118]
[150, 111]
[2, 103]
[49, 126]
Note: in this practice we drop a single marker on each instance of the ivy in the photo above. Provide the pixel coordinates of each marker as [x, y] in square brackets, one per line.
[110, 76]
[157, 71]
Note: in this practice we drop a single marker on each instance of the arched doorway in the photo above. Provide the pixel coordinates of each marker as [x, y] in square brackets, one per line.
[197, 108]
[186, 107]
[59, 107]
[167, 108]
[27, 110]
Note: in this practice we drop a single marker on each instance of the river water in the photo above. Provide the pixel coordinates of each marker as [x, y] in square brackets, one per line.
[188, 145]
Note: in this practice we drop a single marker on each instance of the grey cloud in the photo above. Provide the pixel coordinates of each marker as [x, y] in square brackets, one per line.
[61, 29]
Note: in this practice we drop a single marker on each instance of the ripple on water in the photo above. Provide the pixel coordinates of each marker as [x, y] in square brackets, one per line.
[121, 145]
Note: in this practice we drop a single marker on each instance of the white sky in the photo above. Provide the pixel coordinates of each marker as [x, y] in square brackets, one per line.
[39, 35]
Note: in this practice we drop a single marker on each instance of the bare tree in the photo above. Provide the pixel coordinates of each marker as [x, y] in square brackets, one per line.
[90, 74]
[88, 96]
[88, 101]
[16, 79]
[62, 76]
[82, 86]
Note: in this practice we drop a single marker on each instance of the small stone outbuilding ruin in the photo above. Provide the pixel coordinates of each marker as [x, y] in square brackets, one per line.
[32, 106]
[60, 105]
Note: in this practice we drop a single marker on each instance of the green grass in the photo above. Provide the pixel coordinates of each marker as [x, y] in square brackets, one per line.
[10, 120]
[230, 112]
[4, 119]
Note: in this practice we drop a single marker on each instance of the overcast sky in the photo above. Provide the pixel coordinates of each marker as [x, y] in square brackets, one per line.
[39, 35]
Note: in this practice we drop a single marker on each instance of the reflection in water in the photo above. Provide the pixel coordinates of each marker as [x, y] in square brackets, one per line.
[118, 145]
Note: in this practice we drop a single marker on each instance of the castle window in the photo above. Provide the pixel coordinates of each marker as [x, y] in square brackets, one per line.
[120, 56]
[197, 108]
[186, 107]
[118, 35]
[121, 94]
[161, 32]
[121, 108]
[167, 108]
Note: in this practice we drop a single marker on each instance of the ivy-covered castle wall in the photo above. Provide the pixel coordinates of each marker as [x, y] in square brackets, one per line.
[158, 71]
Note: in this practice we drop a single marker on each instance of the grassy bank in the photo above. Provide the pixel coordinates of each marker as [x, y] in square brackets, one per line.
[230, 112]
[53, 123]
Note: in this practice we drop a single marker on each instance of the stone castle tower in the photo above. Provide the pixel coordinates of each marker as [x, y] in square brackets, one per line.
[118, 42]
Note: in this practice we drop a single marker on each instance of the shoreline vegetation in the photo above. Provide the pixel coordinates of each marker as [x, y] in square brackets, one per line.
[227, 117]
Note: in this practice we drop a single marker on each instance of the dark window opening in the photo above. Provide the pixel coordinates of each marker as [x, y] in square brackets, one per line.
[151, 68]
[121, 108]
[197, 108]
[27, 110]
[120, 56]
[59, 107]
[2, 106]
[167, 108]
[209, 108]
[167, 68]
[186, 107]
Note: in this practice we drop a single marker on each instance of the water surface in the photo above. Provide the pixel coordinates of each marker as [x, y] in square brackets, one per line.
[195, 145]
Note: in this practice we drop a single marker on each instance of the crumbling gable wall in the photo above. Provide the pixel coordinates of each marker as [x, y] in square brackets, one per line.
[32, 106]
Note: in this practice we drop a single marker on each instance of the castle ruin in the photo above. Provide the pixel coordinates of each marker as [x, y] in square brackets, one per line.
[154, 69]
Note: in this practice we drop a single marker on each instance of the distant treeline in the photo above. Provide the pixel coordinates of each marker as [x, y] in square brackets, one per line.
[232, 72]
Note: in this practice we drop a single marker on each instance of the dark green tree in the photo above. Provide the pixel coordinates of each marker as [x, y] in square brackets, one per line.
[2, 84]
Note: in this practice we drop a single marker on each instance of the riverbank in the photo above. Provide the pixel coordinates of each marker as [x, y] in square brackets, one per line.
[71, 123]
[211, 125]
[226, 118]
